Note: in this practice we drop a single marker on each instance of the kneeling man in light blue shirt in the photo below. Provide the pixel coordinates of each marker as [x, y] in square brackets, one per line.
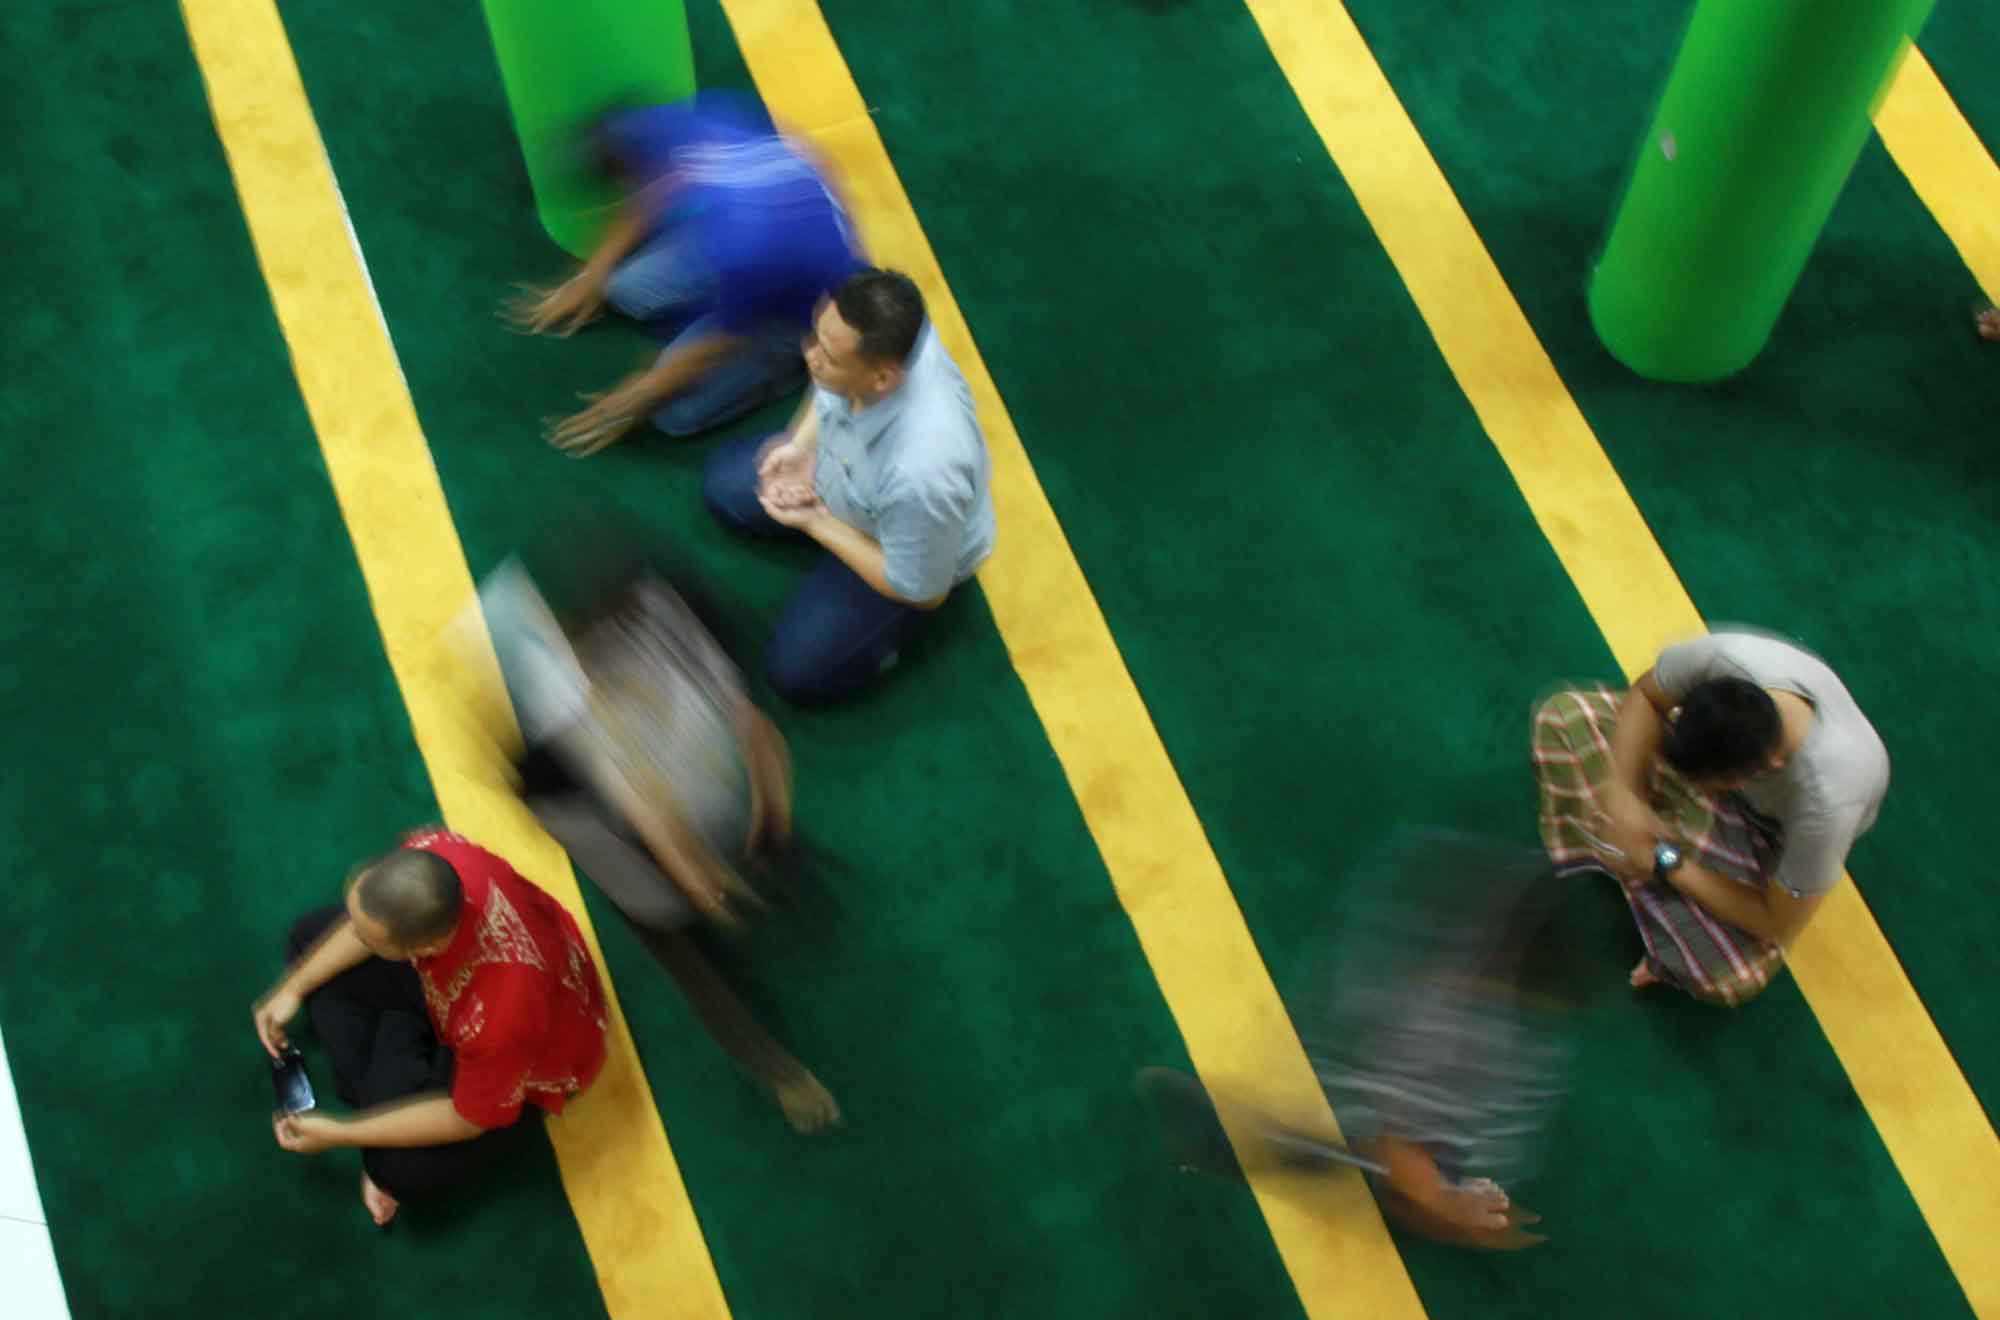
[885, 467]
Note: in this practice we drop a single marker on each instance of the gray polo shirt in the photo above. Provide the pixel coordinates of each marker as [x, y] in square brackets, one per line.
[1828, 793]
[912, 472]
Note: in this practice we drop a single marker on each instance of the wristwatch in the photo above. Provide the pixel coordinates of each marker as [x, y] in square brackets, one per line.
[1666, 860]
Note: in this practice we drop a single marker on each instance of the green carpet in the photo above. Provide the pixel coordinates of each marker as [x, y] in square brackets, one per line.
[1325, 585]
[206, 730]
[1335, 605]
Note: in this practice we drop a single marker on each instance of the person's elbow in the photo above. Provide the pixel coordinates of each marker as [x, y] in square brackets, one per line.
[1785, 917]
[918, 590]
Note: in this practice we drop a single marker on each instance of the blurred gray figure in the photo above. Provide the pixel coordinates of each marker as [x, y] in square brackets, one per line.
[728, 236]
[645, 758]
[1435, 1019]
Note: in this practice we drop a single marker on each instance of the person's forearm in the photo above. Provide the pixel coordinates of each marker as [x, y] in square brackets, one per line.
[662, 828]
[428, 1120]
[621, 236]
[804, 428]
[770, 772]
[1739, 905]
[335, 952]
[1635, 742]
[862, 553]
[676, 371]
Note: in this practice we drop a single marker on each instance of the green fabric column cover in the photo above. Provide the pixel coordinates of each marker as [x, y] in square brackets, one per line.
[1763, 118]
[564, 61]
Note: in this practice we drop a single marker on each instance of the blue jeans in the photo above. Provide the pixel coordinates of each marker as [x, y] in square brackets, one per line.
[836, 634]
[664, 287]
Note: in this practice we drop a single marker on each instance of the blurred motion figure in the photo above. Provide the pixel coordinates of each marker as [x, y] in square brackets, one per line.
[727, 236]
[646, 759]
[1436, 1021]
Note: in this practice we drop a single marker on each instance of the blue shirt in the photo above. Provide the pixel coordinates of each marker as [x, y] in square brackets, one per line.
[911, 470]
[763, 220]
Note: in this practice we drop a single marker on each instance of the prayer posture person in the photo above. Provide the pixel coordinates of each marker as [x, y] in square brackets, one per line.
[886, 468]
[727, 237]
[645, 758]
[450, 993]
[1436, 1019]
[1723, 791]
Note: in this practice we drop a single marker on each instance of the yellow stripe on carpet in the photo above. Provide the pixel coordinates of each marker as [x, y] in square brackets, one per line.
[1946, 164]
[1328, 1230]
[1920, 1102]
[617, 1167]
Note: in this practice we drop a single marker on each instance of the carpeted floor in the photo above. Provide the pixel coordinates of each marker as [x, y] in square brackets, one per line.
[1325, 584]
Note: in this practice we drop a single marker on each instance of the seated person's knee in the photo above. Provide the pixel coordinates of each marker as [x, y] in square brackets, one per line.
[798, 673]
[685, 415]
[726, 486]
[1557, 707]
[1734, 995]
[628, 295]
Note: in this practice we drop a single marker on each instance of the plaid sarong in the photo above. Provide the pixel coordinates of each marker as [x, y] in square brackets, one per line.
[1685, 943]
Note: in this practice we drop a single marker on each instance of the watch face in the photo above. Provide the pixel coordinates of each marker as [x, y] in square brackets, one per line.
[1666, 855]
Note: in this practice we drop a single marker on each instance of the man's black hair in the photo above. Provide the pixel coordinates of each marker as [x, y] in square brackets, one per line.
[885, 309]
[1726, 727]
[414, 894]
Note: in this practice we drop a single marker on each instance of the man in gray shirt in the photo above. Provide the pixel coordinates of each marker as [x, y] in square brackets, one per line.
[1724, 790]
[885, 467]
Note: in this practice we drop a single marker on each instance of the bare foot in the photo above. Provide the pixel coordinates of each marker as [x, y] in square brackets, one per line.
[1988, 322]
[808, 1105]
[1643, 975]
[381, 1205]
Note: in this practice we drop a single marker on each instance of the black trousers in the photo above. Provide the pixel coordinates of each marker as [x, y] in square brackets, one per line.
[372, 1021]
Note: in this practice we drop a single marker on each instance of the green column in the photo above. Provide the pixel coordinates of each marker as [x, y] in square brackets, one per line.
[564, 62]
[1765, 113]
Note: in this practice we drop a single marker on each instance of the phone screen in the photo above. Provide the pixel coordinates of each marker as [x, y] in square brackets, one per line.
[295, 1092]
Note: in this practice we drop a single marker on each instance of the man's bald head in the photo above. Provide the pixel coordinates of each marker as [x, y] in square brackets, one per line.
[413, 895]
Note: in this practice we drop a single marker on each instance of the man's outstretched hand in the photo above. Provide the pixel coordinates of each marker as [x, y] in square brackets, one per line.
[560, 310]
[601, 425]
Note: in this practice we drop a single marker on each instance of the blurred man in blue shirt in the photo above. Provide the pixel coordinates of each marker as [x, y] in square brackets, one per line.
[884, 467]
[728, 237]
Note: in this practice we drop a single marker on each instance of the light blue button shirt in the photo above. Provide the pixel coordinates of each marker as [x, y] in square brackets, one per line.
[912, 471]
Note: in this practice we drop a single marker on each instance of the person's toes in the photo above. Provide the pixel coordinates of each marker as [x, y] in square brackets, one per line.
[382, 1207]
[808, 1105]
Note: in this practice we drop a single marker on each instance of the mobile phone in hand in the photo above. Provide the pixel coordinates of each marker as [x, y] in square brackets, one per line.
[288, 1074]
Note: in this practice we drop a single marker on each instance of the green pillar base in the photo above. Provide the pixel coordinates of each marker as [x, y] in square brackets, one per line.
[1764, 115]
[563, 63]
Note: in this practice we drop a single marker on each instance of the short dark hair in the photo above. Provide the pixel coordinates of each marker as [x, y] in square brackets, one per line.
[885, 309]
[1726, 727]
[414, 894]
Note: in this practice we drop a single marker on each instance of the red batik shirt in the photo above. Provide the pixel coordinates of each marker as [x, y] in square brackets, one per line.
[515, 996]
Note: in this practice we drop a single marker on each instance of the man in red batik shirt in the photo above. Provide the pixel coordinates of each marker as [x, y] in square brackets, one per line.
[449, 993]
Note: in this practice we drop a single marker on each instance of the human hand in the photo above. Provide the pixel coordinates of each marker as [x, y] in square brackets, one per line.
[1629, 830]
[1988, 323]
[307, 1134]
[269, 1016]
[561, 309]
[786, 462]
[791, 504]
[601, 425]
